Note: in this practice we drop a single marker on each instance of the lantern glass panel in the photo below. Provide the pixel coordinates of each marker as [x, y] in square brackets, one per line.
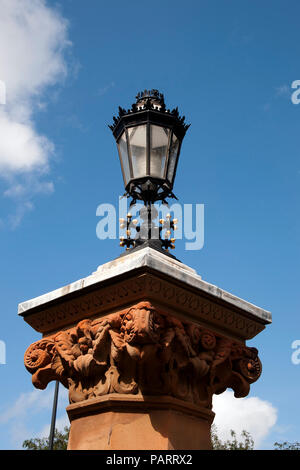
[159, 149]
[123, 152]
[172, 158]
[137, 142]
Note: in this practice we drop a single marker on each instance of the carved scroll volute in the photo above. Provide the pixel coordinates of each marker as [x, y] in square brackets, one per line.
[235, 366]
[141, 351]
[248, 364]
[38, 361]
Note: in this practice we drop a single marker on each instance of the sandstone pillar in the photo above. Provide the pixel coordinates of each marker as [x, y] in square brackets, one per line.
[142, 345]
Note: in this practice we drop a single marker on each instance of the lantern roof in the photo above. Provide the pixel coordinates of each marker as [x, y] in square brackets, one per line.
[149, 104]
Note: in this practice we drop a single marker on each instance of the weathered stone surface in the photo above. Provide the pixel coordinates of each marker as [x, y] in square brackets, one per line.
[126, 422]
[143, 352]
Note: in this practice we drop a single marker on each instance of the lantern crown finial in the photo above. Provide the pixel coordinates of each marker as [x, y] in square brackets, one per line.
[154, 95]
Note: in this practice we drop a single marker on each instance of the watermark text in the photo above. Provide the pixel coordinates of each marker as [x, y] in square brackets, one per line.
[2, 352]
[189, 222]
[295, 98]
[296, 354]
[2, 92]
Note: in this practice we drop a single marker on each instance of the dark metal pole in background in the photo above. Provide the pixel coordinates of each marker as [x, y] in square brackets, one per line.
[53, 419]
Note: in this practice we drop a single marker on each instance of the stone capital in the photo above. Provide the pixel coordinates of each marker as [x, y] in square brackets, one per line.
[142, 351]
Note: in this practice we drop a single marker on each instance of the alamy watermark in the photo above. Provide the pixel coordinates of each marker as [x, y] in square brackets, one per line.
[2, 352]
[295, 97]
[189, 221]
[2, 343]
[2, 92]
[296, 354]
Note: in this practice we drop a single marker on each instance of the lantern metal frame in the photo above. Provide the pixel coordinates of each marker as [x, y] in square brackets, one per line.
[149, 110]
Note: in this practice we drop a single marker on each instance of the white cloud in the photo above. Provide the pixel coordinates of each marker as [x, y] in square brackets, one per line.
[33, 186]
[251, 414]
[22, 190]
[102, 91]
[16, 218]
[21, 148]
[33, 42]
[283, 90]
[17, 419]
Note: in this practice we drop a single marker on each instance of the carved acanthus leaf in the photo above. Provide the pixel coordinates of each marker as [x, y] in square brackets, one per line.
[141, 351]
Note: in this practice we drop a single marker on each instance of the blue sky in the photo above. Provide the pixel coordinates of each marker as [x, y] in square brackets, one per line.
[229, 66]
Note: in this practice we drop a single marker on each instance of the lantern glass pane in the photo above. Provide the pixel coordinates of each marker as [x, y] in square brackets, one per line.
[122, 146]
[159, 149]
[137, 142]
[173, 158]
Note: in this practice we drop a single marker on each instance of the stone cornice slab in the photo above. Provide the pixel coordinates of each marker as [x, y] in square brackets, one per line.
[145, 274]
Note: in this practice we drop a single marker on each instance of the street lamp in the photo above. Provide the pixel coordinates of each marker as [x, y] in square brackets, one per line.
[149, 139]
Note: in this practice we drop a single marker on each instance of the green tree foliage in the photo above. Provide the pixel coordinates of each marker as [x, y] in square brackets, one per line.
[60, 441]
[245, 443]
[287, 445]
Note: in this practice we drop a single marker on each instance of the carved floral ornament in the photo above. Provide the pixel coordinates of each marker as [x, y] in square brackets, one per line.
[141, 351]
